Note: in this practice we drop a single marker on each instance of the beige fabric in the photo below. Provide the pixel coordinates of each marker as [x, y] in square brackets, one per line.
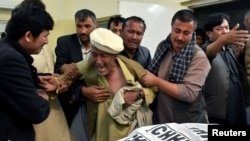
[137, 114]
[55, 127]
[107, 41]
[44, 61]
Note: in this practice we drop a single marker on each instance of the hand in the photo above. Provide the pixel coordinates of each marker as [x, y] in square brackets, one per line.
[148, 79]
[62, 85]
[238, 50]
[70, 71]
[237, 37]
[43, 94]
[48, 83]
[130, 97]
[96, 93]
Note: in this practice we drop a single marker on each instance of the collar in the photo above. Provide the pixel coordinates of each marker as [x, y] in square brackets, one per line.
[20, 49]
[128, 76]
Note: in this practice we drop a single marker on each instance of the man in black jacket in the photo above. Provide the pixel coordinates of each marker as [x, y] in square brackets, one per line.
[23, 101]
[71, 49]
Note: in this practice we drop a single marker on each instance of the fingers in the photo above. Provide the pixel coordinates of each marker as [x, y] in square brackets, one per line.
[43, 94]
[102, 97]
[103, 93]
[72, 75]
[240, 41]
[98, 87]
[71, 71]
[45, 78]
[96, 93]
[55, 74]
[236, 27]
[238, 38]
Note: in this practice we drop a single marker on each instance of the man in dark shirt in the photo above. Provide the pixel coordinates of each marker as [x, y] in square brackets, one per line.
[133, 30]
[115, 24]
[226, 85]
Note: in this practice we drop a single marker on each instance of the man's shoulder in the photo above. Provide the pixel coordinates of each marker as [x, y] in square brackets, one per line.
[144, 49]
[6, 47]
[67, 37]
[10, 54]
[197, 48]
[127, 60]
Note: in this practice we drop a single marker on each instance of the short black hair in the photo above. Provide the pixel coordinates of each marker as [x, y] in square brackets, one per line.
[185, 15]
[200, 32]
[3, 34]
[83, 14]
[37, 3]
[116, 19]
[133, 18]
[28, 18]
[215, 19]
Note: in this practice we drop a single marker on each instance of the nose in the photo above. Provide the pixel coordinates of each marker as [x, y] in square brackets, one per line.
[118, 33]
[180, 37]
[98, 60]
[46, 41]
[225, 30]
[83, 30]
[134, 36]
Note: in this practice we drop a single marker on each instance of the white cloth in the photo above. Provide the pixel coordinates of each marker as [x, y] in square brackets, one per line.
[44, 61]
[136, 114]
[55, 127]
[107, 41]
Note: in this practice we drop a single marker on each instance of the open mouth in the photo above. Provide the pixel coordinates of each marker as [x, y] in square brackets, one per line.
[100, 68]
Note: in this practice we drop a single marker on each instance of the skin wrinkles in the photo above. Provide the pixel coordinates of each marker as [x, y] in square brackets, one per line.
[104, 62]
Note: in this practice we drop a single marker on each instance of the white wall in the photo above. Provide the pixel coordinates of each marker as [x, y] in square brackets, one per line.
[157, 18]
[9, 3]
[2, 25]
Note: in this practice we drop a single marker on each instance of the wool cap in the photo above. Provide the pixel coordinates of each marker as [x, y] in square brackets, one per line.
[107, 41]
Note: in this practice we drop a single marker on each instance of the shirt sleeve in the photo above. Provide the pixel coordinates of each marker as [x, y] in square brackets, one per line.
[61, 55]
[194, 78]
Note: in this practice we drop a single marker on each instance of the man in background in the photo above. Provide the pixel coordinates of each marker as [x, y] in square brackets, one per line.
[226, 89]
[133, 29]
[246, 56]
[247, 47]
[71, 49]
[115, 24]
[3, 34]
[200, 36]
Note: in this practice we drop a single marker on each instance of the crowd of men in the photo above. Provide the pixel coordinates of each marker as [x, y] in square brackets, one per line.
[104, 84]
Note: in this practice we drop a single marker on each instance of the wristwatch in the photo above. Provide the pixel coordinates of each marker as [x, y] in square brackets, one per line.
[139, 95]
